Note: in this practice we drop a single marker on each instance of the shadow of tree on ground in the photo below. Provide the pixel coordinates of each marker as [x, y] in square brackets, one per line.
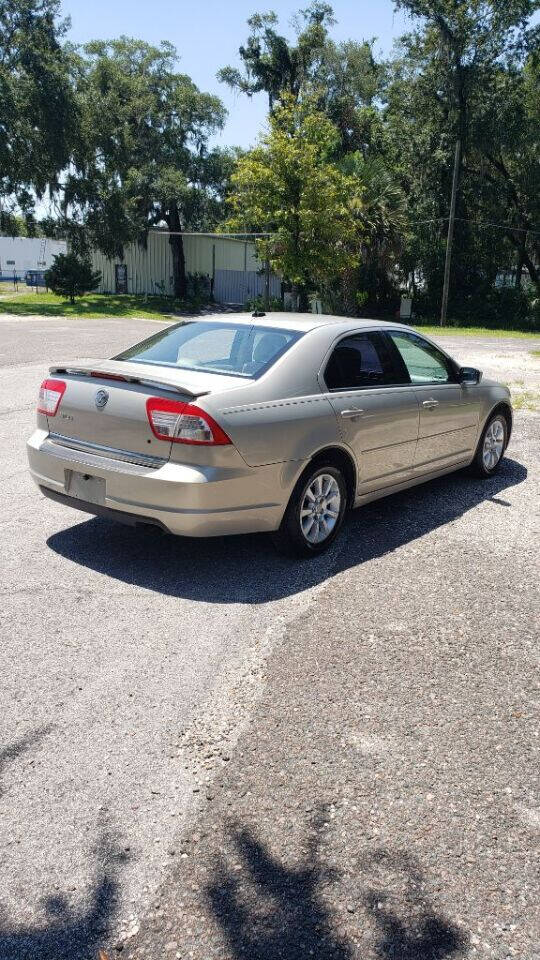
[69, 933]
[20, 746]
[421, 934]
[269, 911]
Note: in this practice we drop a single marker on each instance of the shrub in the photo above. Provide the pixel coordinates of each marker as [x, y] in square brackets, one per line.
[258, 304]
[500, 308]
[71, 276]
[198, 286]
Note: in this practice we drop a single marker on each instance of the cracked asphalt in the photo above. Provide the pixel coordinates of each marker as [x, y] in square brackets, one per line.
[208, 751]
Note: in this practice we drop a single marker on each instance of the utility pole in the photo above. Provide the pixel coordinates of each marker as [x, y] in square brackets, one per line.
[450, 237]
[267, 282]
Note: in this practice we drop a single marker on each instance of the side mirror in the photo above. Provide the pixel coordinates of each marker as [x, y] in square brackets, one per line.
[469, 375]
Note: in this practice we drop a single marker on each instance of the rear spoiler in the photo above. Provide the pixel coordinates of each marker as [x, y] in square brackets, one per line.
[111, 372]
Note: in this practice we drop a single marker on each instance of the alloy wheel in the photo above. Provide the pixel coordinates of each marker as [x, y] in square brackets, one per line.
[493, 444]
[320, 508]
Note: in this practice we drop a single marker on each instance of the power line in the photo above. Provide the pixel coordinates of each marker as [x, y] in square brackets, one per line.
[478, 223]
[500, 226]
[241, 237]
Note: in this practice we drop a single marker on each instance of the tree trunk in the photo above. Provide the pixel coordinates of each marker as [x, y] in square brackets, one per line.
[521, 261]
[304, 300]
[177, 250]
[526, 260]
[300, 294]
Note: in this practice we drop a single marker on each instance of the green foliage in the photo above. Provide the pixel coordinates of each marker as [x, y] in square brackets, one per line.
[290, 187]
[70, 276]
[469, 69]
[353, 178]
[142, 157]
[260, 305]
[14, 225]
[384, 219]
[198, 287]
[37, 108]
[342, 78]
[271, 63]
[463, 73]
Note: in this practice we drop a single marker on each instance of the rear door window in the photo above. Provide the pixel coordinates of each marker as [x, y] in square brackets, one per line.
[363, 360]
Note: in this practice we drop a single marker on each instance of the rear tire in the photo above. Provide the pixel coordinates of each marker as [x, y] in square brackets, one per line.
[315, 513]
[491, 446]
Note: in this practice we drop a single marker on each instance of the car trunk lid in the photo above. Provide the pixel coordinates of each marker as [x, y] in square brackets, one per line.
[104, 407]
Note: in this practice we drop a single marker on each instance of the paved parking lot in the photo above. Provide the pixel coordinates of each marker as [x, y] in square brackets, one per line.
[133, 668]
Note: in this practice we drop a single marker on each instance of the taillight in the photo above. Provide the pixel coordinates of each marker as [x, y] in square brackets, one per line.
[50, 395]
[183, 423]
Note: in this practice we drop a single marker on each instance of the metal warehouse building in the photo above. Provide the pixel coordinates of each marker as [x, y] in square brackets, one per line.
[20, 254]
[231, 265]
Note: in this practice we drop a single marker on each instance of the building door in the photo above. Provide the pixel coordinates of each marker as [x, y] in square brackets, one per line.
[120, 278]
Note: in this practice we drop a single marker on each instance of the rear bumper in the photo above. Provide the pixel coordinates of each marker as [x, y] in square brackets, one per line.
[180, 498]
[120, 516]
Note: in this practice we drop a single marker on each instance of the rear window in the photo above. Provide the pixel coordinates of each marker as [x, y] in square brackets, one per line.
[236, 349]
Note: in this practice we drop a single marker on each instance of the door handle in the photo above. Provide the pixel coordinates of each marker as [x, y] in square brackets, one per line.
[430, 404]
[351, 414]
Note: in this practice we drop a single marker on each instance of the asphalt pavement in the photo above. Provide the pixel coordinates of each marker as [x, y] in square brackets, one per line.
[208, 750]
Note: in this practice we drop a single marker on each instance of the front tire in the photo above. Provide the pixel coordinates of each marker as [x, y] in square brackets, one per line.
[315, 513]
[491, 446]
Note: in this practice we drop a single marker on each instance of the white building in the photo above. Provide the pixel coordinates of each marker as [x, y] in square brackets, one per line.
[19, 254]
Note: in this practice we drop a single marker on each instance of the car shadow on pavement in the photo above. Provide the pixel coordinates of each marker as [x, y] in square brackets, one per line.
[266, 910]
[68, 933]
[246, 569]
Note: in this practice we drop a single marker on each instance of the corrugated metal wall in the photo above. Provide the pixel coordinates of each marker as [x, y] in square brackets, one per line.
[237, 286]
[150, 270]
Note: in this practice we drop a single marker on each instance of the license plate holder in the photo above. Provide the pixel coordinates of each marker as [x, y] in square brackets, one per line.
[83, 486]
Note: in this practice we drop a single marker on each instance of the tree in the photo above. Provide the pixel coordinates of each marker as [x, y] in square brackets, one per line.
[446, 83]
[289, 186]
[504, 162]
[142, 158]
[71, 276]
[271, 64]
[384, 221]
[38, 118]
[342, 78]
[347, 82]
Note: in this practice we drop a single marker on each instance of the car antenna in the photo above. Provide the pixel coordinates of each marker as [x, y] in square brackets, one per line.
[258, 313]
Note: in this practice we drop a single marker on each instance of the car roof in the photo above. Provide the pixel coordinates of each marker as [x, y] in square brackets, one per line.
[299, 321]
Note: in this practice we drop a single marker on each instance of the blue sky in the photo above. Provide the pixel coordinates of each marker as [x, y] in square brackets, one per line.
[207, 35]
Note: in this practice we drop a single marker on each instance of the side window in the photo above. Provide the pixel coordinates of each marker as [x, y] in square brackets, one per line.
[363, 360]
[424, 362]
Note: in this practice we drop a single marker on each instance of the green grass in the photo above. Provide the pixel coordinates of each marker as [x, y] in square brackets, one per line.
[535, 353]
[93, 306]
[96, 305]
[434, 330]
[526, 400]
